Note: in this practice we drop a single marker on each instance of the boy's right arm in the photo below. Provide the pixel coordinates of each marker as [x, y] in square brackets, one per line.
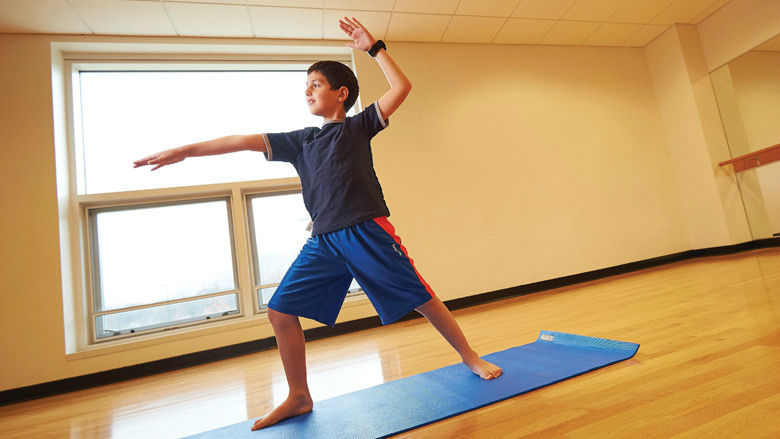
[222, 145]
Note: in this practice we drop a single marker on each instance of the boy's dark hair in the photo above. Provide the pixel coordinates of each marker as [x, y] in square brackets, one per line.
[338, 75]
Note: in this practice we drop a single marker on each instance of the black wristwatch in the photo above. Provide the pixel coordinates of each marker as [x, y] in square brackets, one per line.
[375, 48]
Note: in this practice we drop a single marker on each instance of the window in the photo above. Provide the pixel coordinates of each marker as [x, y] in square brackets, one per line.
[127, 115]
[272, 235]
[155, 265]
[203, 240]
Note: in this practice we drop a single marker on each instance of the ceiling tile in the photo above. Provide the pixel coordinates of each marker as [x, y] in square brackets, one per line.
[639, 11]
[360, 5]
[645, 35]
[592, 10]
[209, 20]
[682, 11]
[464, 29]
[44, 16]
[550, 9]
[493, 8]
[417, 27]
[374, 21]
[523, 31]
[709, 11]
[270, 22]
[427, 6]
[569, 32]
[612, 34]
[118, 17]
[288, 3]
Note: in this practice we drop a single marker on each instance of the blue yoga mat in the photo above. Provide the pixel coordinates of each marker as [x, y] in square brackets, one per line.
[398, 406]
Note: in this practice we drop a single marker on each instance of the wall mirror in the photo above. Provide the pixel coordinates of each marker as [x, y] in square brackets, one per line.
[747, 90]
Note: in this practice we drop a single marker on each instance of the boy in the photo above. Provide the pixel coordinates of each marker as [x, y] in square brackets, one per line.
[351, 235]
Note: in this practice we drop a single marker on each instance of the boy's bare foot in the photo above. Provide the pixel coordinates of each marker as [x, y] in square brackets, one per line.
[485, 370]
[292, 406]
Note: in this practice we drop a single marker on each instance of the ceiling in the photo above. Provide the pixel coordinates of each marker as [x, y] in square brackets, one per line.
[626, 23]
[772, 45]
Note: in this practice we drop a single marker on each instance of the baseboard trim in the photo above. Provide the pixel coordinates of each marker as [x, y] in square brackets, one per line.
[167, 364]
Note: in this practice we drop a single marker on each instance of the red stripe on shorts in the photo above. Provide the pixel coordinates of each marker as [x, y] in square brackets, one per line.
[387, 227]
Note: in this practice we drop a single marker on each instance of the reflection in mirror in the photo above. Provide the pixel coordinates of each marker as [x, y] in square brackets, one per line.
[747, 90]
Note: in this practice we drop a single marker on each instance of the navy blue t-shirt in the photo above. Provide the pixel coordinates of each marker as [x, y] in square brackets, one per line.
[339, 185]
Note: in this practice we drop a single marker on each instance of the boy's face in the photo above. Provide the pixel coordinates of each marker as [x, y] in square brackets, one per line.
[321, 99]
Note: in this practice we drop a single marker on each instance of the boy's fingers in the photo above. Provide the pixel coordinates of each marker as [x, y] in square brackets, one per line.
[142, 162]
[154, 159]
[350, 22]
[347, 28]
[145, 160]
[359, 24]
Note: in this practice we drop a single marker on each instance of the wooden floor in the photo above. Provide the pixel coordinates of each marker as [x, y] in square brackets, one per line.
[709, 330]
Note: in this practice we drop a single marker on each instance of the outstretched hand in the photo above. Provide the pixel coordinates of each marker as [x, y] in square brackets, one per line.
[362, 39]
[167, 157]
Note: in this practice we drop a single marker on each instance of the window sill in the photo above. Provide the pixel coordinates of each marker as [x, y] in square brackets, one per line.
[354, 307]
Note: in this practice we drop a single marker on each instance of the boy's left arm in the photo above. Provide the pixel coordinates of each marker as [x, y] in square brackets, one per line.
[399, 83]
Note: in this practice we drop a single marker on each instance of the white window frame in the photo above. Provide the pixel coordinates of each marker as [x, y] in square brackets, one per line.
[76, 247]
[94, 275]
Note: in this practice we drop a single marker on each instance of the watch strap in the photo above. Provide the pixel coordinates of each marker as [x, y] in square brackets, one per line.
[375, 48]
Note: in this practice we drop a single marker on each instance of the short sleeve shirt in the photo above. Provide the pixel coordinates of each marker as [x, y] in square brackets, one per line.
[336, 168]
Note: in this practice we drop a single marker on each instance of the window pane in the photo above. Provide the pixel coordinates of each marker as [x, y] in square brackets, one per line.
[354, 286]
[165, 315]
[279, 230]
[155, 254]
[127, 116]
[264, 295]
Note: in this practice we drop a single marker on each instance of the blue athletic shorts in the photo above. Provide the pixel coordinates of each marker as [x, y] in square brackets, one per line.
[317, 281]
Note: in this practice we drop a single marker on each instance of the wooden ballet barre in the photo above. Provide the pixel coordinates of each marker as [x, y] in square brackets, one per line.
[755, 159]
